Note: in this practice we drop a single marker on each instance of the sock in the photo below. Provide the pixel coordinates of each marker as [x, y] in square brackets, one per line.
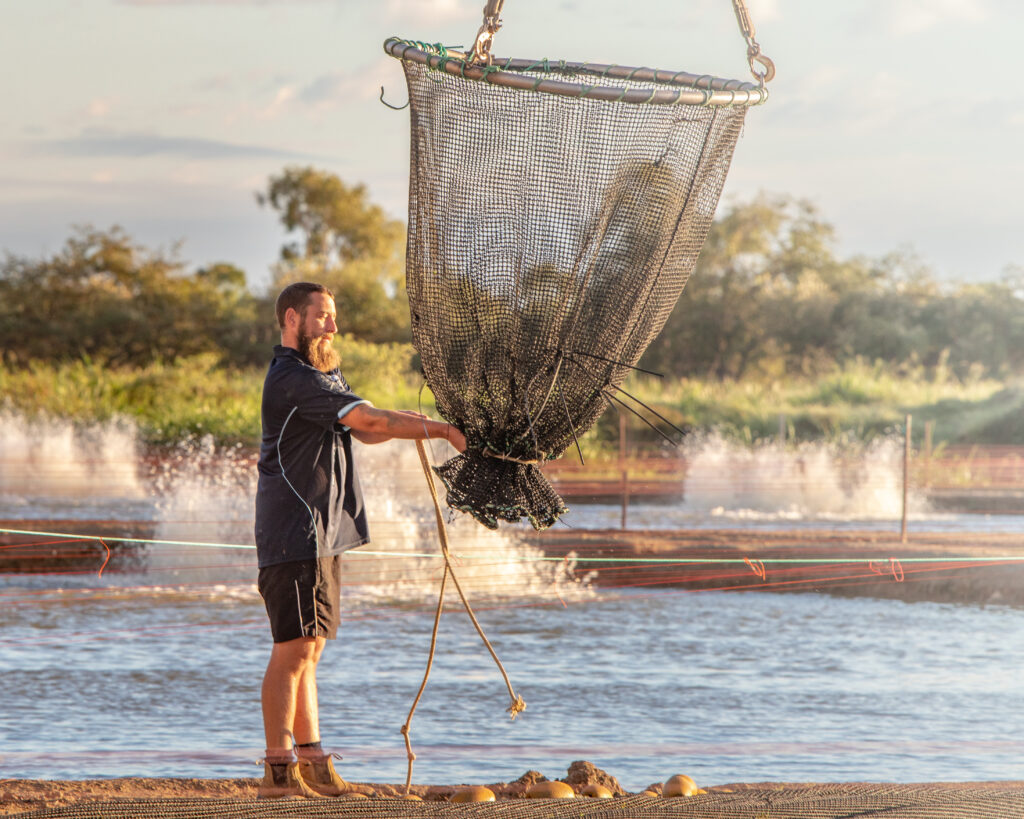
[310, 750]
[279, 759]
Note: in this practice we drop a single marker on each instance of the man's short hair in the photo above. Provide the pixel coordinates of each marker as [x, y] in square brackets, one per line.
[296, 297]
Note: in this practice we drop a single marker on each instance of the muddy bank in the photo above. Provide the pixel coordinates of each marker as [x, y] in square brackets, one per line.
[938, 567]
[945, 568]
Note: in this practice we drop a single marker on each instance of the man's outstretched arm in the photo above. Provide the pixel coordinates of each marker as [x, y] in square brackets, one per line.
[373, 426]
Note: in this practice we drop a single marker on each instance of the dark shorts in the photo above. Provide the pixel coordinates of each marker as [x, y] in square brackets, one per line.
[303, 598]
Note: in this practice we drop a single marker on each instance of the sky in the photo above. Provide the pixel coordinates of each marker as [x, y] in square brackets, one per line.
[901, 120]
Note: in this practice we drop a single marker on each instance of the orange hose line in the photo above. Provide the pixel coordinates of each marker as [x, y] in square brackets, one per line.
[424, 578]
[841, 580]
[428, 574]
[111, 634]
[49, 542]
[612, 571]
[40, 555]
[609, 573]
[144, 587]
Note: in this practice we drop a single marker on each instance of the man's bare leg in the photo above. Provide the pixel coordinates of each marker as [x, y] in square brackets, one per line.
[306, 727]
[284, 697]
[315, 766]
[289, 686]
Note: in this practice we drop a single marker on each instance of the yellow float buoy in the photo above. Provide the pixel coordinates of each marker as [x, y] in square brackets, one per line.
[551, 790]
[476, 793]
[596, 791]
[413, 797]
[650, 793]
[679, 785]
[354, 795]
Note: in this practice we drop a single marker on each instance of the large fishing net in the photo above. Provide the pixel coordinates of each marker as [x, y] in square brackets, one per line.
[550, 235]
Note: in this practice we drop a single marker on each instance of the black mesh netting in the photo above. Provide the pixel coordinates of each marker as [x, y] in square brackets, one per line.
[549, 239]
[840, 801]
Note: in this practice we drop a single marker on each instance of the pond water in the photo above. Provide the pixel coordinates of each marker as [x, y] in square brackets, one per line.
[155, 670]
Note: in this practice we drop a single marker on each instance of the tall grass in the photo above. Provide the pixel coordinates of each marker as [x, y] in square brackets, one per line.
[197, 396]
[169, 402]
[193, 397]
[859, 400]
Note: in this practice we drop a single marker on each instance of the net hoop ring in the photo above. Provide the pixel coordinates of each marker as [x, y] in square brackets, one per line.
[664, 87]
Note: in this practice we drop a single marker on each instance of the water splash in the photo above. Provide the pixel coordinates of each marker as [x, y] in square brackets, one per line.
[811, 481]
[206, 493]
[52, 468]
[489, 564]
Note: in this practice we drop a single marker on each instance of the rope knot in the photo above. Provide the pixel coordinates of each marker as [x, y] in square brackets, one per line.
[517, 707]
[498, 456]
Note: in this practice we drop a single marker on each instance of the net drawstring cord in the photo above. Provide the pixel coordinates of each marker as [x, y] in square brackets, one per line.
[498, 456]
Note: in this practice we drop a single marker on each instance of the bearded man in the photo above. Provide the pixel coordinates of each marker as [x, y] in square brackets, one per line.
[309, 510]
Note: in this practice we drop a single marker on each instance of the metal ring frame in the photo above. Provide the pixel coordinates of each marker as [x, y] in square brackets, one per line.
[667, 87]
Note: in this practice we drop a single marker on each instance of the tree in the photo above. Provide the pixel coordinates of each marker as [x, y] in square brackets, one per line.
[105, 297]
[722, 323]
[346, 243]
[770, 296]
[337, 222]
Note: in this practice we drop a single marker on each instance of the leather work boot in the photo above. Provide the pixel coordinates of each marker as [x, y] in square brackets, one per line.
[320, 775]
[280, 782]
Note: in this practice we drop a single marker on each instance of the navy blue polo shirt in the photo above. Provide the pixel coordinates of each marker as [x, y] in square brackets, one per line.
[308, 500]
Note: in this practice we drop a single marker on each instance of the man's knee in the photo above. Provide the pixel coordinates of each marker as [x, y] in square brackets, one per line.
[296, 656]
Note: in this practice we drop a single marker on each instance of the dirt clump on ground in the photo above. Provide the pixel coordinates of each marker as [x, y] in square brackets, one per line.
[582, 773]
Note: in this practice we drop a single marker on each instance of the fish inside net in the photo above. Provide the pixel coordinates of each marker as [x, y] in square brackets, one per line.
[549, 239]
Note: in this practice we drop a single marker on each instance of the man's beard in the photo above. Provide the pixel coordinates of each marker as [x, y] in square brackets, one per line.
[319, 352]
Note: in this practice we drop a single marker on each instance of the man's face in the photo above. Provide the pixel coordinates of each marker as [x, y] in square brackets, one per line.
[316, 332]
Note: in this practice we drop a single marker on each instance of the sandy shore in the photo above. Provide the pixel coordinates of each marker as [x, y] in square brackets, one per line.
[23, 795]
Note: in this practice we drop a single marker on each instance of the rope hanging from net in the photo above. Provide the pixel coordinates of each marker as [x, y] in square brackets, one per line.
[556, 210]
[517, 704]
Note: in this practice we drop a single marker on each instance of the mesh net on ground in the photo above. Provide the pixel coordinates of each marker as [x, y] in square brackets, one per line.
[840, 801]
[550, 237]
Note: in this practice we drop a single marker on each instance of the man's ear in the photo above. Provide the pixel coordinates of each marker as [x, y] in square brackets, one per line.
[292, 318]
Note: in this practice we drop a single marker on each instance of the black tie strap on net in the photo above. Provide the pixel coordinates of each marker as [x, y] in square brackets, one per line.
[549, 239]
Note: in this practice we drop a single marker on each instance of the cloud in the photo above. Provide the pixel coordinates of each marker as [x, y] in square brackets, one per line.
[914, 16]
[96, 144]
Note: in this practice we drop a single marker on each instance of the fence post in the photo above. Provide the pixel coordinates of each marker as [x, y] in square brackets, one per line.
[928, 427]
[906, 476]
[623, 473]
